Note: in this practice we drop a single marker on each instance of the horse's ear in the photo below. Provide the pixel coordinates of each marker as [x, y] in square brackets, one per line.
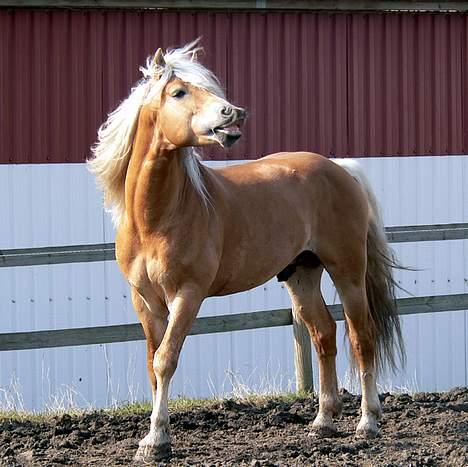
[159, 58]
[159, 63]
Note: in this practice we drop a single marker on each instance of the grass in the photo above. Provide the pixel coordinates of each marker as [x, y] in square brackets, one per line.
[69, 401]
[179, 404]
[14, 411]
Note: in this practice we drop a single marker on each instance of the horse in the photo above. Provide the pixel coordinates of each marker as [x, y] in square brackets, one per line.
[186, 232]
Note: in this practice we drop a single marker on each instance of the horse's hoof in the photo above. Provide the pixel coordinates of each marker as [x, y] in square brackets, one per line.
[323, 426]
[367, 429]
[148, 454]
[367, 434]
[323, 431]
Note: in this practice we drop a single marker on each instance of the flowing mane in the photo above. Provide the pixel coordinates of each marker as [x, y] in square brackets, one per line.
[115, 136]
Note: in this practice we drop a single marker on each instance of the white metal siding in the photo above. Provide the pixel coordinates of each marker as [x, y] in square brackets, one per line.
[59, 205]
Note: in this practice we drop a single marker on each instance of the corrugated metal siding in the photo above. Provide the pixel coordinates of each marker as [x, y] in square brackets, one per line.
[338, 84]
[406, 91]
[58, 204]
[290, 72]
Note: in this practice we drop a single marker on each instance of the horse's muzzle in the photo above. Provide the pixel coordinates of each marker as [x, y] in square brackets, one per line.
[230, 131]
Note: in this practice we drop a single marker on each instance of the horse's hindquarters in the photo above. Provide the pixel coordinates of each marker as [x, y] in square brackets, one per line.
[276, 208]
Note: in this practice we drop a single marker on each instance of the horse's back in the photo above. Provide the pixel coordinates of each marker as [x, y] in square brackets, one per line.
[273, 163]
[305, 174]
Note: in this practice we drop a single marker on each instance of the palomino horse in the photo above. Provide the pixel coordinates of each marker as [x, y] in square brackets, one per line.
[186, 232]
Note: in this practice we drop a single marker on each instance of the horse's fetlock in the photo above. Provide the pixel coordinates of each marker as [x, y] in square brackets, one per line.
[373, 409]
[159, 422]
[331, 404]
[338, 408]
[162, 423]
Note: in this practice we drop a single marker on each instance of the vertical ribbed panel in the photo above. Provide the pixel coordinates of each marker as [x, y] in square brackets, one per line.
[290, 72]
[406, 88]
[50, 84]
[57, 204]
[338, 84]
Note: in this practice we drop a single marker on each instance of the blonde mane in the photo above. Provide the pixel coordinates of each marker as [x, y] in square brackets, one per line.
[115, 136]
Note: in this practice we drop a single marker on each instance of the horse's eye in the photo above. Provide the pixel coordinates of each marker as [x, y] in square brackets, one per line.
[179, 93]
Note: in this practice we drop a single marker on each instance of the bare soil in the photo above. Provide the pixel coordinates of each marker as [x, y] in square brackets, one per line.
[425, 429]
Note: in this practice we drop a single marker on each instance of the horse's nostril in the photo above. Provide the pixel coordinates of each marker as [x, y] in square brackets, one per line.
[227, 111]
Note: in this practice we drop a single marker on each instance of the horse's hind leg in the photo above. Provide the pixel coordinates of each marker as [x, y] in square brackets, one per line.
[308, 303]
[352, 290]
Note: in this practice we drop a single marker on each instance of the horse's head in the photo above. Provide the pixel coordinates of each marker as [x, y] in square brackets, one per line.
[190, 105]
[185, 102]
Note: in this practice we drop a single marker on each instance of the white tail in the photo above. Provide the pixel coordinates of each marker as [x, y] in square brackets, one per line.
[380, 284]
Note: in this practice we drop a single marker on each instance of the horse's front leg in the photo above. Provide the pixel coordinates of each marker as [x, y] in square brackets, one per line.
[183, 310]
[152, 314]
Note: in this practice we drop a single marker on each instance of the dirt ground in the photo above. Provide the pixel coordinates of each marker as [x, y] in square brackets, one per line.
[426, 429]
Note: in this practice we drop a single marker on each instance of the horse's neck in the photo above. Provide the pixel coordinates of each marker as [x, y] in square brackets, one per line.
[156, 180]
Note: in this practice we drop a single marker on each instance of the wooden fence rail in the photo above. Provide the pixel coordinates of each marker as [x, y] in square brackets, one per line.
[207, 325]
[214, 324]
[106, 251]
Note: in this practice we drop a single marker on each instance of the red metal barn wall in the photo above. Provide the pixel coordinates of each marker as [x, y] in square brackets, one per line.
[388, 88]
[342, 84]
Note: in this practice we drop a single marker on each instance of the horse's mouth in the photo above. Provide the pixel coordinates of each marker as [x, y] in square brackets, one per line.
[228, 134]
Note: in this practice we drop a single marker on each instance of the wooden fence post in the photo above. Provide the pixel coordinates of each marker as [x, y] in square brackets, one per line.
[302, 355]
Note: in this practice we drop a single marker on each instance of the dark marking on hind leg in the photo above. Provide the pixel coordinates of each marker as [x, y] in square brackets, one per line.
[286, 273]
[307, 259]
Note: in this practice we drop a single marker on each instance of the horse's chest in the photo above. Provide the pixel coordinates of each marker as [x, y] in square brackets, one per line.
[147, 270]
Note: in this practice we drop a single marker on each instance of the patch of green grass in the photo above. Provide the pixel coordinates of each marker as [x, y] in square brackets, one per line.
[182, 404]
[10, 415]
[39, 417]
[179, 404]
[135, 408]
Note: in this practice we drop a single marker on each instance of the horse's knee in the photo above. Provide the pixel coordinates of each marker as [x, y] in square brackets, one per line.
[164, 363]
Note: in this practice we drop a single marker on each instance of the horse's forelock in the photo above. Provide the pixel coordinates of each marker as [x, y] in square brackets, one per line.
[182, 63]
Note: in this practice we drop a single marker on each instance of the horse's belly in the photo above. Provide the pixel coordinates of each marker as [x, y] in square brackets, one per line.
[241, 285]
[250, 267]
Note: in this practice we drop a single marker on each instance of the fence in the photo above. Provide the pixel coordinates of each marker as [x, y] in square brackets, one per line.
[207, 325]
